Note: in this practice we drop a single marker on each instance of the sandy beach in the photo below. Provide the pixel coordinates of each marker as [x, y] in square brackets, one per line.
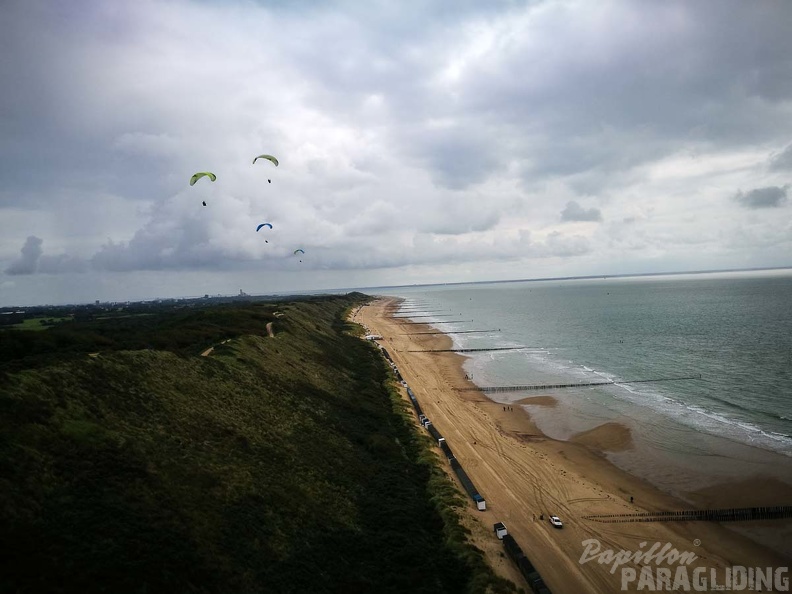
[524, 475]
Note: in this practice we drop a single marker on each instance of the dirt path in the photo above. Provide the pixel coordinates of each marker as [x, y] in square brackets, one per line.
[523, 474]
[270, 333]
[207, 352]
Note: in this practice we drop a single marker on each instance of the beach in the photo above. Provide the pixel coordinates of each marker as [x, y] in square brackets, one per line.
[523, 475]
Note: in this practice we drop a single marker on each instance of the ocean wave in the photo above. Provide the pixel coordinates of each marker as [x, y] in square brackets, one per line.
[693, 416]
[700, 417]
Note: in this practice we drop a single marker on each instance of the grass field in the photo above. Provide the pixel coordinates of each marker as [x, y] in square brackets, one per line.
[35, 323]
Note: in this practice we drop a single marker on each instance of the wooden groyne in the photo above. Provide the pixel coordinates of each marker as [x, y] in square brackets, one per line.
[440, 322]
[422, 316]
[576, 385]
[734, 514]
[516, 348]
[449, 332]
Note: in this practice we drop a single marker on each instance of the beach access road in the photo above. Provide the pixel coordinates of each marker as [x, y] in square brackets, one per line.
[522, 474]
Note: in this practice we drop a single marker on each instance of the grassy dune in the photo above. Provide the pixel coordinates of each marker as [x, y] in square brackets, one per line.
[281, 464]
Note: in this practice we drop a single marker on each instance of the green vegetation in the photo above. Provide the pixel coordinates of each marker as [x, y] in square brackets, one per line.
[283, 464]
[183, 332]
[38, 323]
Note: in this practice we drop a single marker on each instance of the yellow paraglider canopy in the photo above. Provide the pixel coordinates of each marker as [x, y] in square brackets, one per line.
[201, 174]
[268, 158]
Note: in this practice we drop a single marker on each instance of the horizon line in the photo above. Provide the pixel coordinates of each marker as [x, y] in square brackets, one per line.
[288, 293]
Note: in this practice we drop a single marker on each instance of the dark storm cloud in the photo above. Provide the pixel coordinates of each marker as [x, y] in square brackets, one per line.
[574, 212]
[770, 197]
[610, 78]
[562, 87]
[59, 114]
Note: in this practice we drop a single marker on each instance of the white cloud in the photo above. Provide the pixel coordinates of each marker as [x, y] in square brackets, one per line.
[412, 141]
[27, 263]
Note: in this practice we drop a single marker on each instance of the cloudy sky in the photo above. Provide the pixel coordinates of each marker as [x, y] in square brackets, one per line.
[434, 141]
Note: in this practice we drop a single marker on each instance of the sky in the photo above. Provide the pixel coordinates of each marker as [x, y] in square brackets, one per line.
[419, 142]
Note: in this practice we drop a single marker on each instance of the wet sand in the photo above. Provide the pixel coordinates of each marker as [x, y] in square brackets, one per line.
[523, 474]
[608, 437]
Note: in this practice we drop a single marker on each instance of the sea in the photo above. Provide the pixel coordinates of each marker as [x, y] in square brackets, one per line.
[715, 347]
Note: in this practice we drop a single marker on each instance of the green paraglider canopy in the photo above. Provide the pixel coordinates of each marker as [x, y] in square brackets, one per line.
[201, 174]
[268, 158]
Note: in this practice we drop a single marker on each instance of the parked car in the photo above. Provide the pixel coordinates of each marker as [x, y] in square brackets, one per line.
[556, 521]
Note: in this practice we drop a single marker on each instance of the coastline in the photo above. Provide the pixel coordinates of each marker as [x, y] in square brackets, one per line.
[523, 473]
